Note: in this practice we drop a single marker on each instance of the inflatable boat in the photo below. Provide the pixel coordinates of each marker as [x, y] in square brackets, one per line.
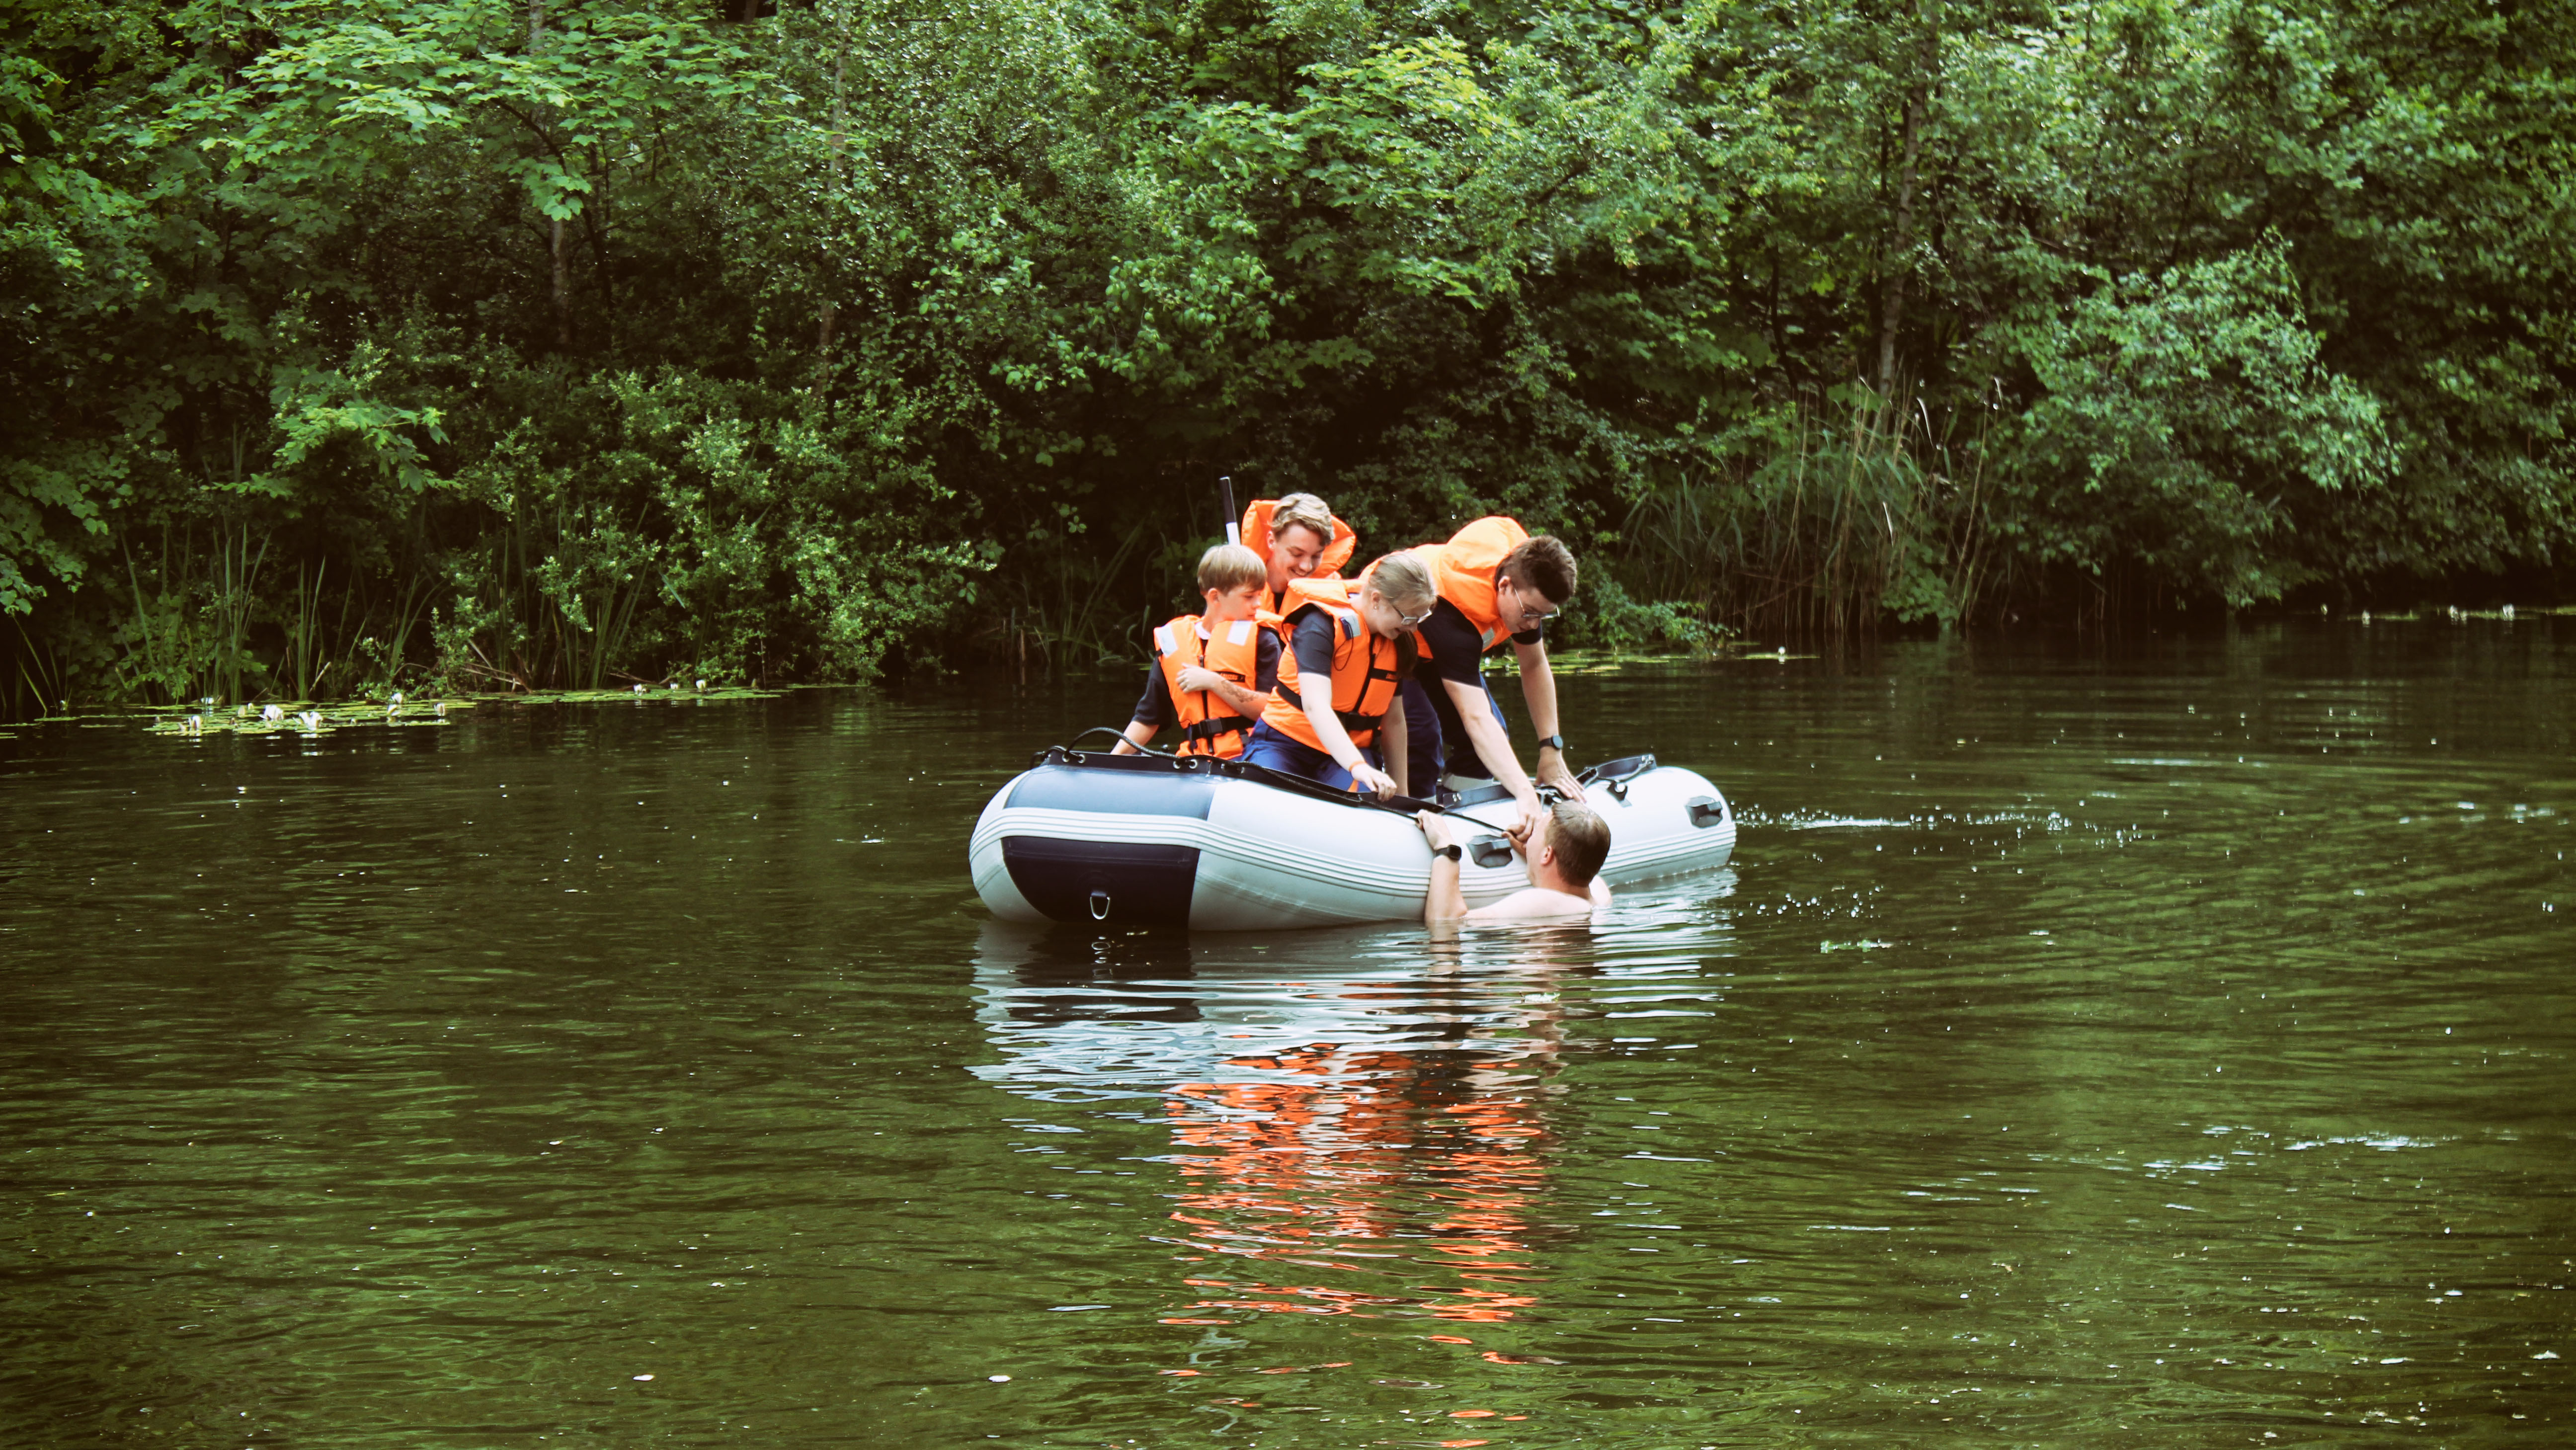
[1218, 845]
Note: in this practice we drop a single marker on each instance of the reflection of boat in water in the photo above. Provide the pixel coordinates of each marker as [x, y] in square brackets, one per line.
[1350, 1134]
[1080, 1017]
[1219, 845]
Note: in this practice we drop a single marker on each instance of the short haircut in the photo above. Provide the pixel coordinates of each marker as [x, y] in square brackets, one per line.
[1302, 508]
[1582, 842]
[1405, 581]
[1228, 567]
[1544, 564]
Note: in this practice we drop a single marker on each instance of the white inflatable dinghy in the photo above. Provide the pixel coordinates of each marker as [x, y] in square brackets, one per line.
[1136, 840]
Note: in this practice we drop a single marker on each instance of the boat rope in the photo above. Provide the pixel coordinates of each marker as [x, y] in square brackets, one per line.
[1122, 735]
[1401, 805]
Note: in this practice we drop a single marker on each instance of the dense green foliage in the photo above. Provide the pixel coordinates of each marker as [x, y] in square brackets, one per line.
[574, 341]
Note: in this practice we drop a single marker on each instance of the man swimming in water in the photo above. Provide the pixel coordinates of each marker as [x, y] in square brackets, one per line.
[1562, 853]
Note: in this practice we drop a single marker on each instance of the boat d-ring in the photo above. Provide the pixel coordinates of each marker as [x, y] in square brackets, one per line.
[1100, 906]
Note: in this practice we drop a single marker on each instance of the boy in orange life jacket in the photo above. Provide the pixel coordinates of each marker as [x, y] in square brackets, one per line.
[1496, 584]
[1336, 717]
[1213, 672]
[1300, 539]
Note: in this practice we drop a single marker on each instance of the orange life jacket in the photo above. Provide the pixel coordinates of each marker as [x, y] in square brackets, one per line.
[1208, 724]
[1463, 571]
[1364, 668]
[1337, 552]
[1275, 605]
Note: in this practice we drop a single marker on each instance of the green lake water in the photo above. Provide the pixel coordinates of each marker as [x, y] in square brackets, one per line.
[2162, 1045]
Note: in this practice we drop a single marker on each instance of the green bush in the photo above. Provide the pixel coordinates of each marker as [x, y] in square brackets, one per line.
[361, 340]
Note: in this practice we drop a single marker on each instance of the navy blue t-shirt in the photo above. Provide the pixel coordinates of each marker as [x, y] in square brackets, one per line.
[1315, 638]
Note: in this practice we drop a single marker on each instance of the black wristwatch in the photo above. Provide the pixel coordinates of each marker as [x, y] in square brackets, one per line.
[1558, 741]
[1453, 851]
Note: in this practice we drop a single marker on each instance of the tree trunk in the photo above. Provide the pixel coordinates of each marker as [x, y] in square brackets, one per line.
[1918, 101]
[563, 291]
[839, 140]
[562, 279]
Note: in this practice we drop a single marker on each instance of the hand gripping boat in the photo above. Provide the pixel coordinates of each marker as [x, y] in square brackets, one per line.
[1218, 845]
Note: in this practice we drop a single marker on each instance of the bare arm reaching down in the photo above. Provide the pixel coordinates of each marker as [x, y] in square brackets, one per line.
[1392, 745]
[1538, 691]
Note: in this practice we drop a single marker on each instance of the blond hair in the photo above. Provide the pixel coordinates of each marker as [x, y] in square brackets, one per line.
[1302, 508]
[1228, 567]
[1581, 840]
[1405, 582]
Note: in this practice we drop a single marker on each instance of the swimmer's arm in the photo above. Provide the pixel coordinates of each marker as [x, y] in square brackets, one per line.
[1445, 901]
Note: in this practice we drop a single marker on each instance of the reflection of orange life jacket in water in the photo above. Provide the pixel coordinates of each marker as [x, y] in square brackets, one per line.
[1364, 667]
[1208, 724]
[1337, 551]
[1463, 571]
[1361, 1146]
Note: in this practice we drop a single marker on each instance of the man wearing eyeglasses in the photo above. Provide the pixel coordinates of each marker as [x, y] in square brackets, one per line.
[1496, 583]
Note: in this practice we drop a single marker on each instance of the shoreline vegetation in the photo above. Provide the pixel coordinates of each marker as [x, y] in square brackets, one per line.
[459, 346]
[310, 719]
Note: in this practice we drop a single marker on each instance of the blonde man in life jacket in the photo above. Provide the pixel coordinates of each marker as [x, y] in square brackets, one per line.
[1213, 672]
[1497, 585]
[1336, 716]
[1298, 538]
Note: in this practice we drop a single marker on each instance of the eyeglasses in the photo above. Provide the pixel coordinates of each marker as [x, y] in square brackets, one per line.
[1403, 621]
[1529, 615]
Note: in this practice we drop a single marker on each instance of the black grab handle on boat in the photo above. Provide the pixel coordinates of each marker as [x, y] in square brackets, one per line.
[1614, 775]
[1116, 734]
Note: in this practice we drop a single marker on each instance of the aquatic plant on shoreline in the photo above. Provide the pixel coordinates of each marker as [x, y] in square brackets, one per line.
[307, 718]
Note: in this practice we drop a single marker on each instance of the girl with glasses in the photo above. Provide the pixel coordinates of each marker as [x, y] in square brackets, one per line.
[1337, 716]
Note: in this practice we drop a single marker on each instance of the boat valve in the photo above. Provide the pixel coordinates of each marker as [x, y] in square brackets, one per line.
[1100, 906]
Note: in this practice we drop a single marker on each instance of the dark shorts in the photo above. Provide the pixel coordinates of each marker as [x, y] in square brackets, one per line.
[1295, 757]
[1422, 757]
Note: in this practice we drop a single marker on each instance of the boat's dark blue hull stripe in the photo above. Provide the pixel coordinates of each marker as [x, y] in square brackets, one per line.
[1103, 881]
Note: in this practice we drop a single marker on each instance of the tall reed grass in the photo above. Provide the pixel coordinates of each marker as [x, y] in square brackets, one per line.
[1824, 518]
